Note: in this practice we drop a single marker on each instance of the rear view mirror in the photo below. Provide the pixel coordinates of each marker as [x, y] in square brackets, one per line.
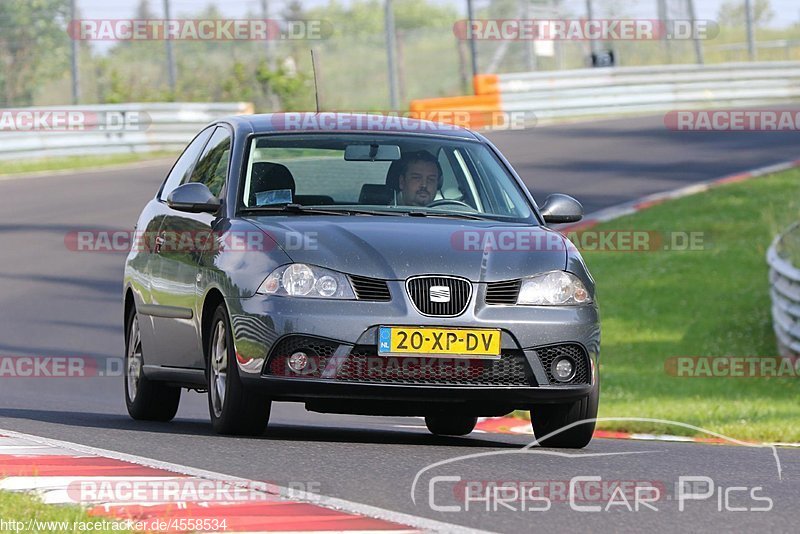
[194, 198]
[560, 208]
[372, 153]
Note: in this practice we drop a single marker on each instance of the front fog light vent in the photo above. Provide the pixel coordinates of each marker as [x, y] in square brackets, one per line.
[563, 369]
[298, 362]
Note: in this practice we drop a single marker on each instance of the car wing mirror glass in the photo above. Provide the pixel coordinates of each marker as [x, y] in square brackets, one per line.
[558, 208]
[193, 198]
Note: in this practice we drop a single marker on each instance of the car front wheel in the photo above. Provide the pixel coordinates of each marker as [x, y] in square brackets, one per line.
[234, 409]
[146, 400]
[549, 418]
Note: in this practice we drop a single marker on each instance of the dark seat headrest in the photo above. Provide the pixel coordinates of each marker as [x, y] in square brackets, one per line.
[268, 176]
[376, 195]
[393, 174]
[399, 166]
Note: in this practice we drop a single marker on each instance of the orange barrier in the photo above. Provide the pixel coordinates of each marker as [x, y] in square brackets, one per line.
[475, 111]
[486, 84]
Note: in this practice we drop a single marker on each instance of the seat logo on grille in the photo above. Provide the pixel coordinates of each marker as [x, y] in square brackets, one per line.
[440, 294]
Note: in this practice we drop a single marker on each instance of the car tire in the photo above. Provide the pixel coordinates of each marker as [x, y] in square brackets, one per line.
[450, 425]
[145, 399]
[548, 418]
[234, 409]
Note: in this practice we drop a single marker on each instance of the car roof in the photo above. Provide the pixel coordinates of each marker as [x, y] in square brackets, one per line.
[334, 122]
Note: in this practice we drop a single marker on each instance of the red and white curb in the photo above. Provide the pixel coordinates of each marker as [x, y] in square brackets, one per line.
[53, 470]
[634, 206]
[518, 426]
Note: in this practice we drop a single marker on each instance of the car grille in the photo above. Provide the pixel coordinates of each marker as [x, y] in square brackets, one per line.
[419, 290]
[575, 352]
[505, 292]
[364, 365]
[370, 289]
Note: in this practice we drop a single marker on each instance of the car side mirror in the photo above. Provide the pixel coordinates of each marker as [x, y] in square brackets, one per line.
[560, 208]
[193, 197]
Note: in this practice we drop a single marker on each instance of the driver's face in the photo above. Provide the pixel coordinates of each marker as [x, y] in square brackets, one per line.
[419, 183]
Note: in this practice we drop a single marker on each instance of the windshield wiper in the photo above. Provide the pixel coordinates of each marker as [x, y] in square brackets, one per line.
[308, 210]
[451, 215]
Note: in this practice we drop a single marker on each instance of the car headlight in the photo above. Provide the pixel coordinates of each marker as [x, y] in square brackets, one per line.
[301, 280]
[556, 288]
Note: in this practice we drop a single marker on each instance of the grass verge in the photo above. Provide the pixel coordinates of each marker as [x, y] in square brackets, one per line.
[710, 302]
[76, 162]
[25, 513]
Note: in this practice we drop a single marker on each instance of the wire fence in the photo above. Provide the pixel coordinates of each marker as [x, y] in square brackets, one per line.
[354, 67]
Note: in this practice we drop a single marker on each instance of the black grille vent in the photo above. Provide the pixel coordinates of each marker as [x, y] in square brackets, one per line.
[460, 291]
[364, 365]
[503, 292]
[370, 289]
[318, 351]
[574, 352]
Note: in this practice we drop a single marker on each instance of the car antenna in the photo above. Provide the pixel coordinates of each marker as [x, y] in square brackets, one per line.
[316, 87]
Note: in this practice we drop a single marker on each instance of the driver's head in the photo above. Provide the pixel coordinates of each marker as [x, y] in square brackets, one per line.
[420, 178]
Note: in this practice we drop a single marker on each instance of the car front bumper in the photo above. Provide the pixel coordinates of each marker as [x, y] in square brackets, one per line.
[260, 324]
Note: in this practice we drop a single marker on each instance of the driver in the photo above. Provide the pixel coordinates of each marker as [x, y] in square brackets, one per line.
[420, 179]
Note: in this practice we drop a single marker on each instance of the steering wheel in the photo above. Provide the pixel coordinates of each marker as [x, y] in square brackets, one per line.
[450, 201]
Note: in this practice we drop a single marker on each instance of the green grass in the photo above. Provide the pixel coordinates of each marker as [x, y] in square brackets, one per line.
[77, 162]
[25, 508]
[711, 302]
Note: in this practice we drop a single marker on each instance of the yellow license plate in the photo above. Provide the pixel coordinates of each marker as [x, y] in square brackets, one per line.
[432, 341]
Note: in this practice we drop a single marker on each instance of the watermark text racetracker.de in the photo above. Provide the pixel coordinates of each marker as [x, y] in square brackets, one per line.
[198, 29]
[380, 367]
[185, 490]
[186, 241]
[732, 367]
[404, 121]
[72, 120]
[59, 367]
[733, 120]
[611, 240]
[584, 29]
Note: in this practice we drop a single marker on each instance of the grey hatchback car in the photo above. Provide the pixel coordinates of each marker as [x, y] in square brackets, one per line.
[360, 265]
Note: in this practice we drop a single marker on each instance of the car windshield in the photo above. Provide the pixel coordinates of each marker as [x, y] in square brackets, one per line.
[380, 174]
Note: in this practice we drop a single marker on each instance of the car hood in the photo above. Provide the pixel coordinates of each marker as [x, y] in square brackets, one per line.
[395, 248]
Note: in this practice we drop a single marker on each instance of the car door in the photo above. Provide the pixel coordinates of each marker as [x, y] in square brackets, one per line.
[182, 236]
[147, 229]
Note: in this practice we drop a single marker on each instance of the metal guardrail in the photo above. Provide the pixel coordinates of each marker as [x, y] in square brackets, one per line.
[649, 89]
[784, 279]
[161, 126]
[627, 90]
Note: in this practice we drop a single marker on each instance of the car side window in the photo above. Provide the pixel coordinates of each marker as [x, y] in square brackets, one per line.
[183, 167]
[212, 168]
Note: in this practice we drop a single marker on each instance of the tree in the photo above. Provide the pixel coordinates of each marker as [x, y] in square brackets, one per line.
[365, 17]
[33, 47]
[731, 13]
[143, 11]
